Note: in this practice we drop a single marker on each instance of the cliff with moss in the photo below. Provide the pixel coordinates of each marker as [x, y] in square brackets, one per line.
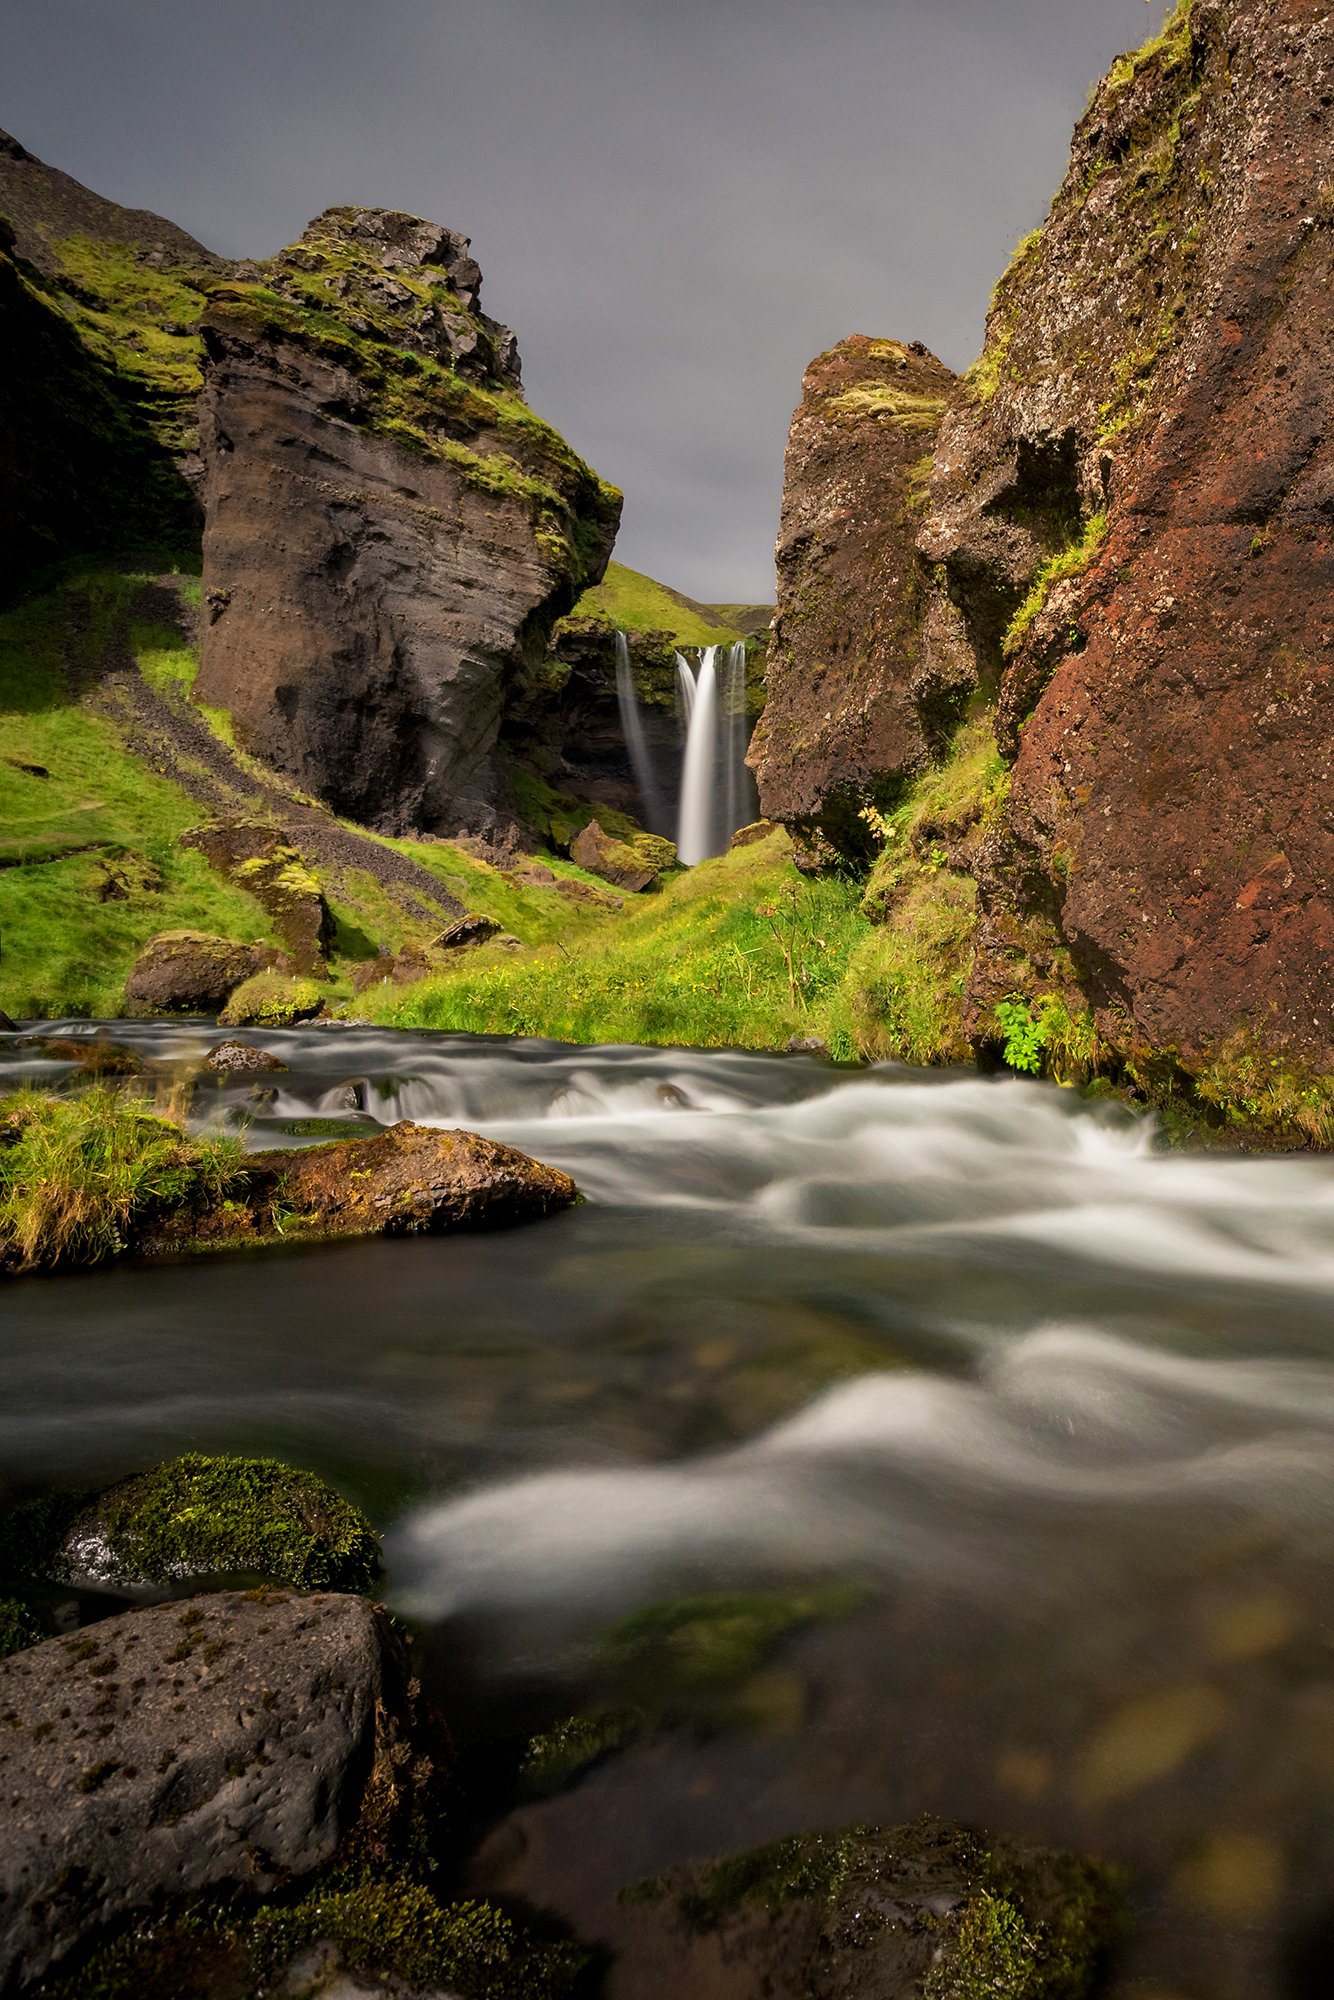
[1125, 566]
[98, 310]
[391, 533]
[848, 717]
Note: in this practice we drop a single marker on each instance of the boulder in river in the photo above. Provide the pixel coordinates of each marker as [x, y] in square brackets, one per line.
[226, 1745]
[241, 1056]
[406, 1180]
[191, 972]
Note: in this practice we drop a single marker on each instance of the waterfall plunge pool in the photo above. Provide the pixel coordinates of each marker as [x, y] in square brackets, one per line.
[1059, 1405]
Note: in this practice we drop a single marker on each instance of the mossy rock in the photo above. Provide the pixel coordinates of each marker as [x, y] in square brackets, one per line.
[198, 1516]
[389, 1930]
[929, 1911]
[273, 1000]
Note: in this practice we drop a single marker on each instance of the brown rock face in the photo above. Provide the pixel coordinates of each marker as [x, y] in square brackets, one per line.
[848, 714]
[224, 1745]
[1134, 508]
[391, 533]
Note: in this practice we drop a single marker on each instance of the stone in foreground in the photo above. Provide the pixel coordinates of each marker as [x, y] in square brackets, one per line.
[929, 1911]
[232, 1743]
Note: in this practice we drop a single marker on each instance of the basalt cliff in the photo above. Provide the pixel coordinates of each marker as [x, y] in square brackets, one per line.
[390, 532]
[1121, 584]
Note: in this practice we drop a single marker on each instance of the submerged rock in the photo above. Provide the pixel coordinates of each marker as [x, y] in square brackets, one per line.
[226, 1745]
[191, 972]
[97, 1057]
[929, 1911]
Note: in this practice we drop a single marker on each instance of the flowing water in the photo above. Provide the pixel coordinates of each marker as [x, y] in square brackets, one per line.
[717, 791]
[1057, 1405]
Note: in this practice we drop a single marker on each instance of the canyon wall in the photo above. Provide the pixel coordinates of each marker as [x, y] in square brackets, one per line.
[391, 533]
[849, 714]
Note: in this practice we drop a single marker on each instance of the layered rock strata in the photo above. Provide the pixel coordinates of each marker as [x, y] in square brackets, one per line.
[1133, 513]
[849, 712]
[391, 532]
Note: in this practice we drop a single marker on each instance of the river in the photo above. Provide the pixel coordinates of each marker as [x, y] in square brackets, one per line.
[1054, 1403]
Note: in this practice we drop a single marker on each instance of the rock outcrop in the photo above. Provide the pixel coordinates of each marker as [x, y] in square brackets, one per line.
[404, 1181]
[849, 712]
[1133, 511]
[190, 972]
[229, 1744]
[390, 531]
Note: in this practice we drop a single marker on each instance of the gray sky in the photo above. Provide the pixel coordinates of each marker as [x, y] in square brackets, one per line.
[676, 203]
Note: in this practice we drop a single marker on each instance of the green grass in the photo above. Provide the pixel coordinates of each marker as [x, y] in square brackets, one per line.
[72, 927]
[79, 1174]
[1067, 562]
[635, 603]
[741, 952]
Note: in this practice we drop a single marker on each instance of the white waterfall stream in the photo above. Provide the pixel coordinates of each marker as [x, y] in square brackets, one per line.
[695, 830]
[646, 778]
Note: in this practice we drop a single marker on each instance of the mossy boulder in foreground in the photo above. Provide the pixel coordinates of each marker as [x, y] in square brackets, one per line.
[199, 1516]
[929, 1911]
[272, 1000]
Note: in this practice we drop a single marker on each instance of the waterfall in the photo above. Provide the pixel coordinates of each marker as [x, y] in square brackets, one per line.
[632, 727]
[717, 791]
[695, 835]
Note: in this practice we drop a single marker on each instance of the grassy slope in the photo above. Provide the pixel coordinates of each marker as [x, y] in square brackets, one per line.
[102, 822]
[703, 963]
[635, 603]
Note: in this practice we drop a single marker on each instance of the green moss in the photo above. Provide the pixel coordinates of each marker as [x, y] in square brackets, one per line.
[629, 602]
[672, 1657]
[200, 1516]
[1067, 562]
[904, 991]
[80, 1175]
[273, 1000]
[553, 1759]
[19, 1629]
[881, 399]
[1169, 49]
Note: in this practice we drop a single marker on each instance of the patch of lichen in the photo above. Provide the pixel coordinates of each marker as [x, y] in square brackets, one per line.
[906, 411]
[199, 1515]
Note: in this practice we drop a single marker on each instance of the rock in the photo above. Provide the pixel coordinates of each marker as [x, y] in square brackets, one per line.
[759, 829]
[386, 547]
[96, 1057]
[272, 1000]
[535, 874]
[584, 892]
[7, 1027]
[656, 851]
[241, 1056]
[805, 1045]
[190, 972]
[269, 867]
[226, 1745]
[845, 720]
[1130, 511]
[927, 1908]
[198, 1517]
[469, 929]
[402, 1181]
[613, 860]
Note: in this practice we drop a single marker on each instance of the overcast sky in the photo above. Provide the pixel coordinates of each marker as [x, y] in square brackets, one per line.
[675, 203]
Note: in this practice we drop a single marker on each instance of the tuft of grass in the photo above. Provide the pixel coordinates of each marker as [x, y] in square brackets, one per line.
[78, 1175]
[741, 952]
[1067, 562]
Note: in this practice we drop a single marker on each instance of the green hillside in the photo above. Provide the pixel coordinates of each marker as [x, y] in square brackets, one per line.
[634, 603]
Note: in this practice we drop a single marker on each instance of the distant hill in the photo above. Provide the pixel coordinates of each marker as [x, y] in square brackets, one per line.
[634, 603]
